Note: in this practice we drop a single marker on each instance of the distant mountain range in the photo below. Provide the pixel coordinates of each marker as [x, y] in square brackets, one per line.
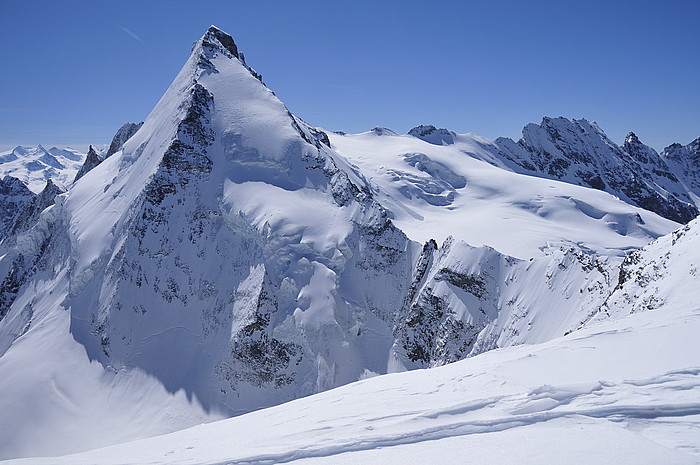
[34, 166]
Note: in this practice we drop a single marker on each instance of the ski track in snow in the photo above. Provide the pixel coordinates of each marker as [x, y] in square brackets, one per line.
[530, 415]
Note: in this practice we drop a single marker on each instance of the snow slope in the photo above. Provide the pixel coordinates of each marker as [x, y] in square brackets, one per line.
[623, 390]
[462, 190]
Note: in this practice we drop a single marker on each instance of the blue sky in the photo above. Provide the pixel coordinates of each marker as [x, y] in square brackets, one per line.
[74, 71]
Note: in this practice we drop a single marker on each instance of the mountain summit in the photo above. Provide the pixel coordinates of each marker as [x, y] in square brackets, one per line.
[217, 242]
[225, 252]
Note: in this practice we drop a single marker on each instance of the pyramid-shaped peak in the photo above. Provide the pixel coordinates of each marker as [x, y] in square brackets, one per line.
[215, 37]
[216, 42]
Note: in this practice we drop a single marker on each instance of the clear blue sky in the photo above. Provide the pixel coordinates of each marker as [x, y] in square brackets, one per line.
[74, 71]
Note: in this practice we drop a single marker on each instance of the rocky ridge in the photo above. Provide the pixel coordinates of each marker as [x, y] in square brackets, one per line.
[579, 152]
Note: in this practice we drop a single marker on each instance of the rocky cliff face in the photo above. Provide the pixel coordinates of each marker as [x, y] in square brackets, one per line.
[579, 152]
[24, 238]
[684, 161]
[91, 160]
[664, 273]
[467, 300]
[123, 134]
[15, 198]
[21, 207]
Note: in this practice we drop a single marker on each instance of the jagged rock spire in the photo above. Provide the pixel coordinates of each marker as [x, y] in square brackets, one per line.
[123, 134]
[91, 160]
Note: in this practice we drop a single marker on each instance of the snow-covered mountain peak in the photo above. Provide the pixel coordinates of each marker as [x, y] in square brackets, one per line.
[215, 42]
[579, 152]
[677, 152]
[123, 134]
[35, 165]
[564, 129]
[684, 161]
[632, 138]
[227, 233]
[91, 160]
[215, 38]
[645, 155]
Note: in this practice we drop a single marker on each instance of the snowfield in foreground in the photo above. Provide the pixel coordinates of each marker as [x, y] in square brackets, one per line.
[621, 391]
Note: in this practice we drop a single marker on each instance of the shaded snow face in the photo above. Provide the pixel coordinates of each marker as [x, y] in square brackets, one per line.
[610, 383]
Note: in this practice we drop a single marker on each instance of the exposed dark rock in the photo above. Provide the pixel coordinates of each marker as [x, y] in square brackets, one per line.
[579, 152]
[91, 160]
[684, 161]
[15, 199]
[256, 357]
[433, 135]
[123, 134]
[217, 41]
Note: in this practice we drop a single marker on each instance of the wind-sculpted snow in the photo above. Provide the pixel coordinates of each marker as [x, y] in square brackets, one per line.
[606, 393]
[436, 187]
